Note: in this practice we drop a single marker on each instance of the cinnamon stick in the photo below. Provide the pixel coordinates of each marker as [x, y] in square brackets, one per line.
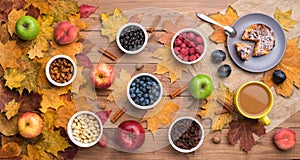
[107, 54]
[178, 91]
[154, 24]
[117, 115]
[226, 105]
[221, 111]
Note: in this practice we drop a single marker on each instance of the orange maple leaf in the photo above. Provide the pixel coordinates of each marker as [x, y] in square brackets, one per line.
[65, 112]
[161, 114]
[230, 16]
[170, 29]
[9, 55]
[290, 65]
[69, 49]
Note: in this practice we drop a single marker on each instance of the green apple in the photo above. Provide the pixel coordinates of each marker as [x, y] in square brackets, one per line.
[201, 86]
[27, 28]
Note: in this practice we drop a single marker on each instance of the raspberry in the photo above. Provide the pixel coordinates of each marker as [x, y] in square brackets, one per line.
[199, 48]
[186, 58]
[192, 58]
[184, 51]
[197, 55]
[199, 40]
[177, 50]
[191, 51]
[183, 35]
[186, 41]
[191, 44]
[191, 36]
[183, 45]
[178, 42]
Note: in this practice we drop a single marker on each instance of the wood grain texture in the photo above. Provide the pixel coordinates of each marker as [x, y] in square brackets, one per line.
[264, 149]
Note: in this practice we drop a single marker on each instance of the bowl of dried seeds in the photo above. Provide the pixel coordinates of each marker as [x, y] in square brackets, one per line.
[61, 70]
[85, 129]
[186, 134]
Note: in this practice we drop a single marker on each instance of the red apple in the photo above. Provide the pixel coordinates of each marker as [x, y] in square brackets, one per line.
[130, 135]
[102, 75]
[30, 125]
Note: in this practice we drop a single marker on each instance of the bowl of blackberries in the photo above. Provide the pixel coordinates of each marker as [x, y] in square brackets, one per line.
[144, 91]
[186, 134]
[188, 46]
[132, 38]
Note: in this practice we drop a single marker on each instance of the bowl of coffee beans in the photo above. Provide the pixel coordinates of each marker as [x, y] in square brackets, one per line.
[61, 70]
[188, 46]
[144, 91]
[85, 129]
[186, 134]
[132, 38]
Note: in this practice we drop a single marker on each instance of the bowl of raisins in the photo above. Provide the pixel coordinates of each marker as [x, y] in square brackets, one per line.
[186, 134]
[132, 38]
[61, 70]
[188, 46]
[144, 91]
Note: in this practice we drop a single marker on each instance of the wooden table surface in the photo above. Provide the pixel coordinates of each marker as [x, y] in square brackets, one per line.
[264, 149]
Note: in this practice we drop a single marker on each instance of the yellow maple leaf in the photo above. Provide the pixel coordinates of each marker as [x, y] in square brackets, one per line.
[33, 153]
[284, 18]
[212, 106]
[161, 114]
[60, 9]
[69, 49]
[9, 55]
[79, 80]
[51, 98]
[290, 65]
[65, 112]
[111, 24]
[52, 142]
[168, 64]
[43, 6]
[75, 20]
[118, 88]
[12, 108]
[4, 35]
[219, 36]
[13, 78]
[13, 17]
[40, 45]
[10, 150]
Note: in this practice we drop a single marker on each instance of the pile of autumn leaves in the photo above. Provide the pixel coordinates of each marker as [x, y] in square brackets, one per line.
[23, 83]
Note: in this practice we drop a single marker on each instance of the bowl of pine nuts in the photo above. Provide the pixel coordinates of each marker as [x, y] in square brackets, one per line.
[61, 70]
[85, 129]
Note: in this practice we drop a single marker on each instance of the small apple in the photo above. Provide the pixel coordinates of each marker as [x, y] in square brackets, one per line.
[130, 135]
[201, 86]
[65, 32]
[27, 28]
[102, 75]
[30, 125]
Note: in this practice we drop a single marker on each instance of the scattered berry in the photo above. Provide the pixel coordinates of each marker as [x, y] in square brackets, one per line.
[224, 71]
[217, 56]
[285, 139]
[278, 77]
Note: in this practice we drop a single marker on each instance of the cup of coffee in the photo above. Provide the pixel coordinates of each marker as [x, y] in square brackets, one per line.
[254, 100]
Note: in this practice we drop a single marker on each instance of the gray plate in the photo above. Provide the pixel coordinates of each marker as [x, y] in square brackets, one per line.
[263, 63]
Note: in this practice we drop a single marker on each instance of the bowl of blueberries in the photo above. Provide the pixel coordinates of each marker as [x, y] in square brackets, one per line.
[144, 91]
[132, 38]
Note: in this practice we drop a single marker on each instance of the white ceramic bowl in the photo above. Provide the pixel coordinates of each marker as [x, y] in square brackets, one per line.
[70, 130]
[186, 150]
[121, 30]
[47, 70]
[148, 106]
[195, 32]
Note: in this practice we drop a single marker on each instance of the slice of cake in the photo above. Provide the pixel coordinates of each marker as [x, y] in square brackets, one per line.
[263, 36]
[243, 50]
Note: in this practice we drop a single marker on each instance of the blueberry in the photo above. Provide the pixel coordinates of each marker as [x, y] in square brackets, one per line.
[137, 91]
[146, 95]
[217, 56]
[157, 94]
[139, 95]
[142, 99]
[143, 104]
[278, 77]
[224, 71]
[132, 95]
[137, 101]
[133, 84]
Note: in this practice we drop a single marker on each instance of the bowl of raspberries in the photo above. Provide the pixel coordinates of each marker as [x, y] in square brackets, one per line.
[144, 91]
[188, 46]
